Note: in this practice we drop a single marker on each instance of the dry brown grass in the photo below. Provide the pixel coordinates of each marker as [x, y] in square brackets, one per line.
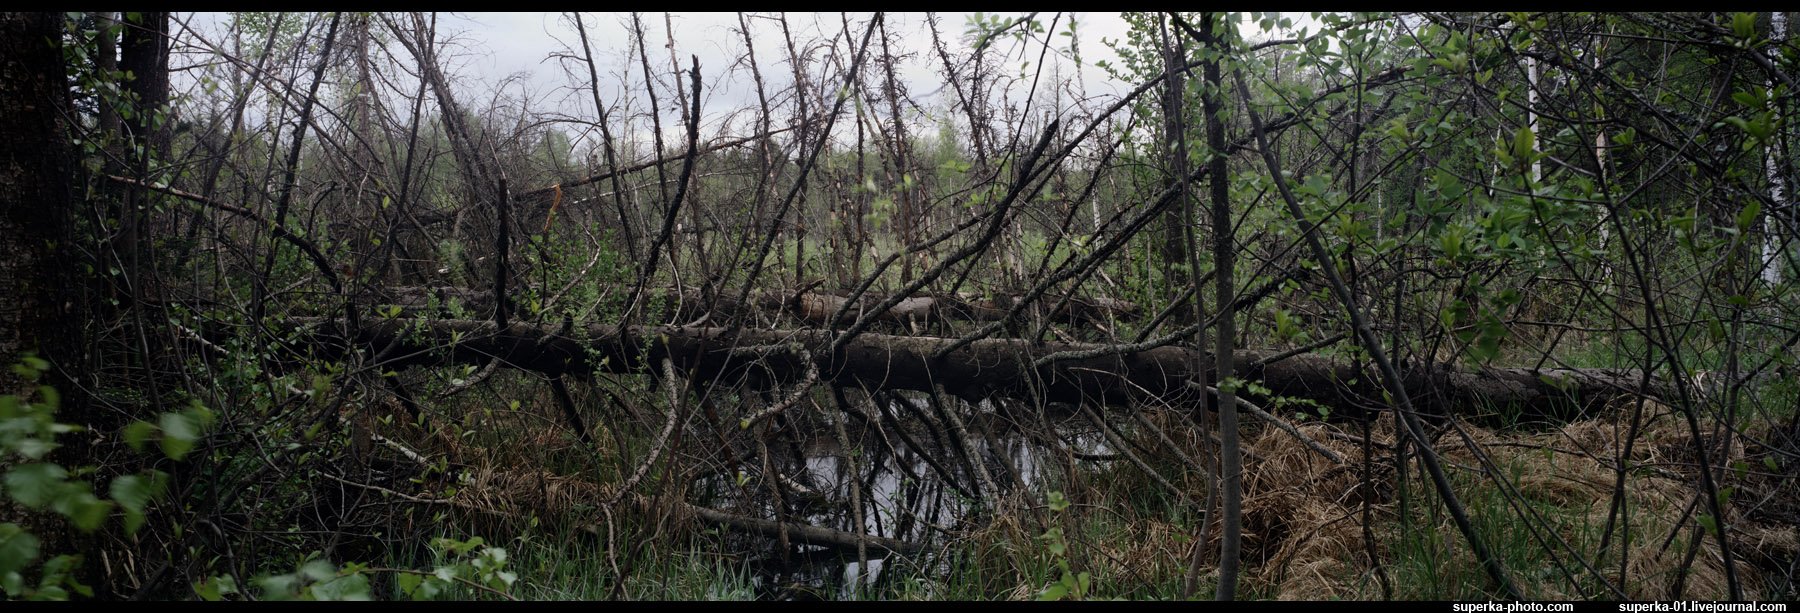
[1301, 516]
[1304, 536]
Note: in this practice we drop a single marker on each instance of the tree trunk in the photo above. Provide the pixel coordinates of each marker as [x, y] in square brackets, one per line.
[36, 311]
[1773, 242]
[1231, 460]
[144, 54]
[1177, 269]
[38, 302]
[1057, 372]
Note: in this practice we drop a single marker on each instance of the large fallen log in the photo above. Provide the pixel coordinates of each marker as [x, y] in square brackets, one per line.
[812, 307]
[1053, 372]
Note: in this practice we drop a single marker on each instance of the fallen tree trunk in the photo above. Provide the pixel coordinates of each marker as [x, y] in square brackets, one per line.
[1071, 373]
[813, 307]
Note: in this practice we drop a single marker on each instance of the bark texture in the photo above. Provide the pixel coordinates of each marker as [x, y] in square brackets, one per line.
[1014, 368]
[36, 313]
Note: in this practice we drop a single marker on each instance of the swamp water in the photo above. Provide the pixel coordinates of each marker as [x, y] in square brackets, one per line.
[903, 495]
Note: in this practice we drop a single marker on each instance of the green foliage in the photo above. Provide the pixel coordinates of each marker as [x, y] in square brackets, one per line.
[314, 580]
[982, 28]
[464, 569]
[1069, 585]
[28, 431]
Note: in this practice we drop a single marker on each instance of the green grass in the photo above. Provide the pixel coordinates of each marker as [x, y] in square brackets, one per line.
[1436, 562]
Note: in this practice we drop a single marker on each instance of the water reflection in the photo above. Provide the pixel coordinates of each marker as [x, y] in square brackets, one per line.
[911, 476]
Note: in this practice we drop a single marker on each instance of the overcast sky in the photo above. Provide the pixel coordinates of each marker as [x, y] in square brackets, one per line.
[519, 49]
[503, 59]
[510, 60]
[519, 43]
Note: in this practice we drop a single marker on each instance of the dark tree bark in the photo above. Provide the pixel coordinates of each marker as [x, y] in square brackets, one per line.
[1231, 464]
[38, 305]
[1058, 372]
[106, 61]
[143, 54]
[1178, 221]
[36, 207]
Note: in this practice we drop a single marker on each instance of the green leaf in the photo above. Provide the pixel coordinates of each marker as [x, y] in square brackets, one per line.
[1487, 340]
[317, 570]
[36, 485]
[1707, 521]
[12, 583]
[34, 448]
[1743, 25]
[85, 510]
[1748, 215]
[408, 584]
[201, 415]
[1397, 129]
[179, 434]
[138, 433]
[18, 549]
[1450, 241]
[351, 587]
[278, 587]
[214, 589]
[1524, 143]
[132, 492]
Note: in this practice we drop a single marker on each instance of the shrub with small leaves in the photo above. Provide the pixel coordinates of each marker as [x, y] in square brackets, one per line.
[28, 431]
[1070, 585]
[462, 564]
